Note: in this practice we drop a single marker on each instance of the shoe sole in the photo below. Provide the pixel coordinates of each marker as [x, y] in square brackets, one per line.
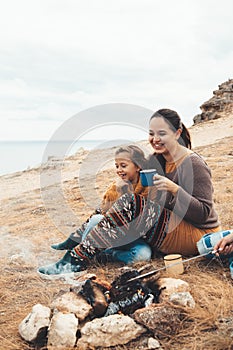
[65, 276]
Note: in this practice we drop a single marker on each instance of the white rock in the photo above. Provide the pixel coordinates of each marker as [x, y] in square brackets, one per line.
[109, 331]
[35, 323]
[70, 302]
[182, 298]
[172, 285]
[153, 343]
[62, 330]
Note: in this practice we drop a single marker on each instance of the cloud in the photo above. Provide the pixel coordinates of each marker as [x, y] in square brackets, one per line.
[58, 57]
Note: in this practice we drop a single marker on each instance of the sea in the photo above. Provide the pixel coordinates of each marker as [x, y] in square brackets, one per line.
[23, 155]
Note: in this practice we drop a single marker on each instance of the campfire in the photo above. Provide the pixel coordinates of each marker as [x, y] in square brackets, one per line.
[122, 296]
[96, 313]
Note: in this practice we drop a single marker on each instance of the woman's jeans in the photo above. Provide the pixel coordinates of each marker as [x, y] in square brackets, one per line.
[130, 253]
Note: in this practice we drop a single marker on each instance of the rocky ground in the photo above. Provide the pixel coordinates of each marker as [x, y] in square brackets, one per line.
[42, 205]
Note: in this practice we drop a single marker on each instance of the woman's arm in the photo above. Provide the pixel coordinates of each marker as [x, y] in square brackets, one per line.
[190, 194]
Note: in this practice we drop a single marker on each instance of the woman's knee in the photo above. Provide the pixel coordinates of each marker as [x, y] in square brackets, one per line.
[135, 252]
[141, 252]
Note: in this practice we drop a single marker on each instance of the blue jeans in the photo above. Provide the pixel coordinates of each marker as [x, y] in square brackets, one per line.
[130, 253]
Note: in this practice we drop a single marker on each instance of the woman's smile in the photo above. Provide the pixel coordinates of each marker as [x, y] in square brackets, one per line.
[158, 145]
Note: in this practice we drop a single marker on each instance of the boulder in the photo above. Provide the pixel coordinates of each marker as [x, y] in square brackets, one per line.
[109, 331]
[220, 105]
[183, 299]
[34, 326]
[163, 320]
[62, 331]
[70, 302]
[171, 285]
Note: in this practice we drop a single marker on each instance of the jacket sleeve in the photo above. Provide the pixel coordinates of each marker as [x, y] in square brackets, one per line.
[193, 202]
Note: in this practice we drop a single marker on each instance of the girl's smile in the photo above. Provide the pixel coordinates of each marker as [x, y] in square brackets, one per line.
[125, 168]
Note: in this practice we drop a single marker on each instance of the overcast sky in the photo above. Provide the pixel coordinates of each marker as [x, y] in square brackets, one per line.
[60, 57]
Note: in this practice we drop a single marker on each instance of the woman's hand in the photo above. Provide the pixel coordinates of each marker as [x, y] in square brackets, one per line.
[162, 183]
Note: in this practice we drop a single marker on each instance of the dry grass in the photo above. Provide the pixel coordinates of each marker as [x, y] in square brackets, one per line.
[27, 231]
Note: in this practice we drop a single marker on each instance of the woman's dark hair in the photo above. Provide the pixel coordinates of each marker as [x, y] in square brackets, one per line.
[136, 154]
[173, 120]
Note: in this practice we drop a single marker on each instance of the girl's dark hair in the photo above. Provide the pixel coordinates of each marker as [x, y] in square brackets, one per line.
[172, 118]
[136, 154]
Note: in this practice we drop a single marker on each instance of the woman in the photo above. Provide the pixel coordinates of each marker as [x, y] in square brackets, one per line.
[185, 185]
[179, 209]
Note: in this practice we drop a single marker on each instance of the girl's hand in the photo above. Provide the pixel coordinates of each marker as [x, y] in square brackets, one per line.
[124, 186]
[162, 183]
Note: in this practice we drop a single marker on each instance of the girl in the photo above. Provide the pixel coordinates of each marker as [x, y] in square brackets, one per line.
[129, 160]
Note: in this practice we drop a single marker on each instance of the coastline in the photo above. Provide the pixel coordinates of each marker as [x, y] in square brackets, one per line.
[13, 184]
[21, 155]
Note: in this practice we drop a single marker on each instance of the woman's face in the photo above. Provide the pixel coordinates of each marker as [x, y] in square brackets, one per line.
[125, 168]
[161, 137]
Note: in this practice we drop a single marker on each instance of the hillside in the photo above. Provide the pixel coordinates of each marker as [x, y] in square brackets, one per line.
[27, 230]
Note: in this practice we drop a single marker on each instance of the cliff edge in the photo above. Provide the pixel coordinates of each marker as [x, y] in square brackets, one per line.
[218, 106]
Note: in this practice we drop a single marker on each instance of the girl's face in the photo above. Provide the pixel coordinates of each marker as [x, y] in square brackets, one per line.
[161, 137]
[125, 168]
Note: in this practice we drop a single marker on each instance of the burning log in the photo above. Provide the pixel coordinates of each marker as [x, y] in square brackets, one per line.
[126, 297]
[93, 293]
[120, 297]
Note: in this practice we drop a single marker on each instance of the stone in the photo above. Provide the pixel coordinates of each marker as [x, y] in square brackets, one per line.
[153, 343]
[218, 106]
[164, 320]
[109, 331]
[183, 299]
[171, 285]
[62, 331]
[34, 326]
[70, 302]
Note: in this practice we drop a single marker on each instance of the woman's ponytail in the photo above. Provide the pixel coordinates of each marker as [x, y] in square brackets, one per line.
[185, 138]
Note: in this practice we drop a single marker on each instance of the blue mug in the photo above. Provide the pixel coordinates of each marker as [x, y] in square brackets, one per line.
[146, 177]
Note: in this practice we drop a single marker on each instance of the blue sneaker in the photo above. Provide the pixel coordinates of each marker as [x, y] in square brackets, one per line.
[68, 265]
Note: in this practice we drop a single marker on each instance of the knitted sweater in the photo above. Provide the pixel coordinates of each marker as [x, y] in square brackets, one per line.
[194, 200]
[112, 194]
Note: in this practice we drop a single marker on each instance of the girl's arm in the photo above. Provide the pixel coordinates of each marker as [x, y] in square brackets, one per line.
[114, 191]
